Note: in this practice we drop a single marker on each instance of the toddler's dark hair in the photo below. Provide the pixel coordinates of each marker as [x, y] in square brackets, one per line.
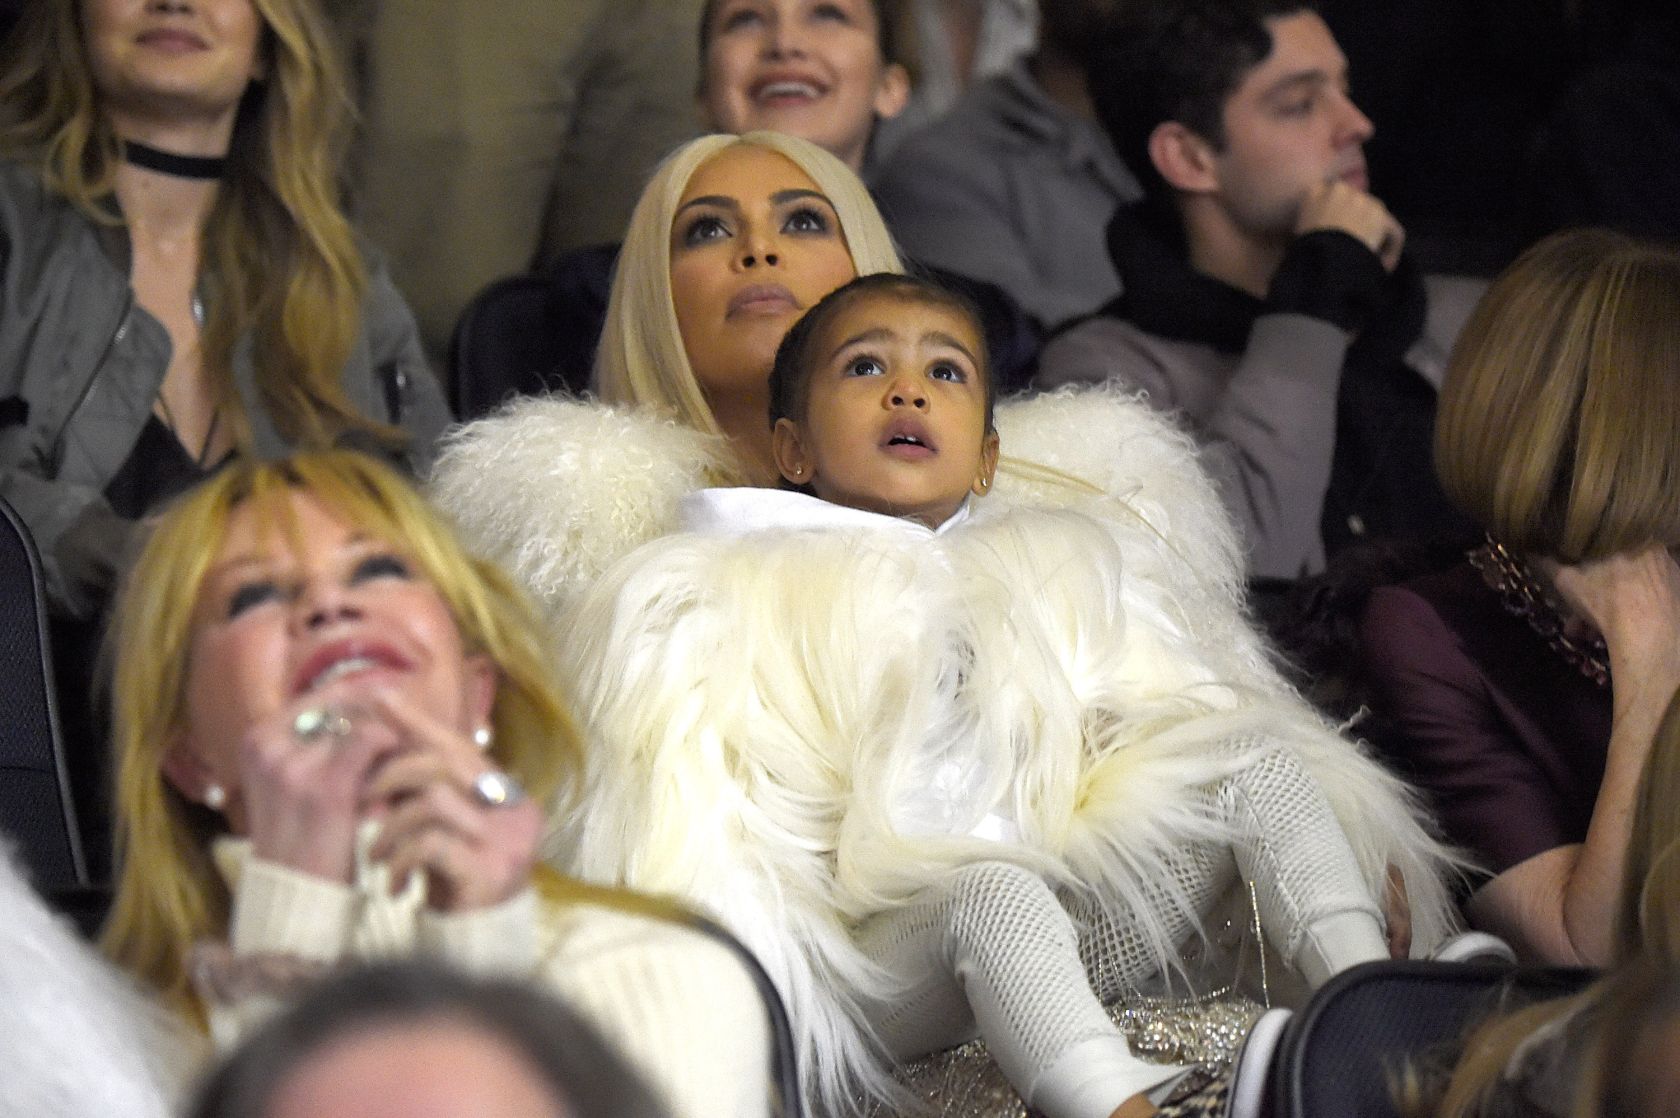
[790, 376]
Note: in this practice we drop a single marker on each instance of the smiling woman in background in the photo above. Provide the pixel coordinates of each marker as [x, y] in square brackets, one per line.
[828, 71]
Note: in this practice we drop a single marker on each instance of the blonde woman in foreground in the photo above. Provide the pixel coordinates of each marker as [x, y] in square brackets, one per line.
[333, 732]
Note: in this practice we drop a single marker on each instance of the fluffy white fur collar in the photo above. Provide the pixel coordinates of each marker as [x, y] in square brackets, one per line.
[781, 722]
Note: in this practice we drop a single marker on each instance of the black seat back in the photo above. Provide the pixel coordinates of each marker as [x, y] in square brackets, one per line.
[1339, 1053]
[35, 806]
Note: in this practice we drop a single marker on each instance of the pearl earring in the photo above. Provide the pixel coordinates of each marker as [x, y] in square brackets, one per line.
[482, 737]
[215, 796]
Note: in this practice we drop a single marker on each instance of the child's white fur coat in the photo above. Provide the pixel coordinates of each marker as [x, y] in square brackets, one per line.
[794, 729]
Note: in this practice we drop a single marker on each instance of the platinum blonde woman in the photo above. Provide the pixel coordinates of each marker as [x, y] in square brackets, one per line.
[734, 239]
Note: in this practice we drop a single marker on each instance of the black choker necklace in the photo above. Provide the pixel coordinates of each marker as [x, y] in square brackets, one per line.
[168, 163]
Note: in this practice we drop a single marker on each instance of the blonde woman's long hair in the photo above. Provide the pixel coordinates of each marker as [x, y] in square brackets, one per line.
[280, 263]
[1558, 418]
[169, 895]
[1647, 934]
[642, 359]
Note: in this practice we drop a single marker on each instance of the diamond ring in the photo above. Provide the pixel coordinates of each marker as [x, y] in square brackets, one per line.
[494, 788]
[313, 723]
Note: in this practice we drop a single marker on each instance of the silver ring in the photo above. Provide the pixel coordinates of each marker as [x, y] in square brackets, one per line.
[494, 788]
[313, 723]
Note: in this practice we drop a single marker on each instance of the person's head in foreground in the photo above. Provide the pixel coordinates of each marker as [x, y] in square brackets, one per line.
[300, 647]
[733, 239]
[881, 399]
[1557, 422]
[827, 71]
[418, 1040]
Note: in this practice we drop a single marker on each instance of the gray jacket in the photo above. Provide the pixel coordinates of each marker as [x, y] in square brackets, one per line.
[81, 363]
[1265, 418]
[1012, 189]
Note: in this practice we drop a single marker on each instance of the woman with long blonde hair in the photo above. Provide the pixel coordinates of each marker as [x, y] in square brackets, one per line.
[181, 282]
[334, 729]
[734, 240]
[683, 370]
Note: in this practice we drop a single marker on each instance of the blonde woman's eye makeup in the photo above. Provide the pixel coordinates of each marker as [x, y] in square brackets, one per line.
[250, 594]
[808, 219]
[703, 229]
[381, 565]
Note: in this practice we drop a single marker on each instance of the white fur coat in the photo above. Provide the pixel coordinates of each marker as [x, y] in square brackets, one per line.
[76, 1036]
[796, 728]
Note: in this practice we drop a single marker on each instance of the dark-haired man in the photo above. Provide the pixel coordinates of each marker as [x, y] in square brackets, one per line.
[1266, 296]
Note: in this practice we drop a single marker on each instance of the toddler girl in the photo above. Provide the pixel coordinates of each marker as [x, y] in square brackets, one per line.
[897, 742]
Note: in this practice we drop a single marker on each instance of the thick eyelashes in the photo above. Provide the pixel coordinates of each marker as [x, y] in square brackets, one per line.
[807, 219]
[259, 591]
[250, 594]
[863, 365]
[803, 221]
[703, 229]
[381, 565]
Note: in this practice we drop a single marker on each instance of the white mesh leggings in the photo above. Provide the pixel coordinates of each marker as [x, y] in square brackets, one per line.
[993, 950]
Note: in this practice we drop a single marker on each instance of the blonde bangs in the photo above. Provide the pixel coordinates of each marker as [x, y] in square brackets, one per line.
[168, 893]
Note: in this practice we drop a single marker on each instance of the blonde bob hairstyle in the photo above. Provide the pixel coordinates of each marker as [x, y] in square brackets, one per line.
[168, 893]
[280, 262]
[1559, 422]
[642, 359]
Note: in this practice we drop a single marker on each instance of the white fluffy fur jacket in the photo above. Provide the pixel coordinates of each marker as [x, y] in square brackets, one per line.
[77, 1037]
[795, 728]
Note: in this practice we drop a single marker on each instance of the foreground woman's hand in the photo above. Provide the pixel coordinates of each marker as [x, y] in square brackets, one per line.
[474, 854]
[303, 795]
